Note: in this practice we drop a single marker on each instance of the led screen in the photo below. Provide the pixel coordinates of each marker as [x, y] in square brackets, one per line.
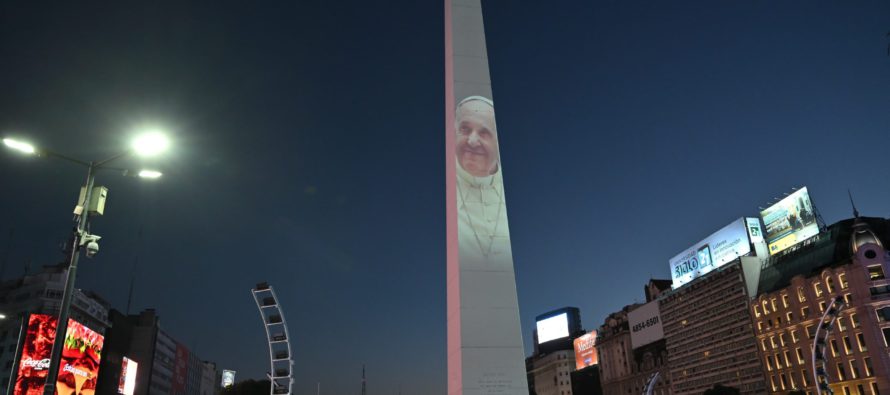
[553, 328]
[81, 353]
[228, 378]
[722, 247]
[789, 221]
[127, 383]
[585, 351]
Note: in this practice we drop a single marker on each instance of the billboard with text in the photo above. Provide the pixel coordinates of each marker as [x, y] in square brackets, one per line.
[585, 351]
[722, 247]
[645, 324]
[81, 352]
[789, 221]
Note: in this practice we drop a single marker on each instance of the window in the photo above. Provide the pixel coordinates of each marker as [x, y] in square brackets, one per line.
[842, 278]
[784, 380]
[756, 311]
[794, 337]
[763, 344]
[840, 323]
[848, 347]
[854, 370]
[760, 326]
[846, 390]
[787, 359]
[799, 356]
[817, 286]
[861, 340]
[772, 381]
[785, 300]
[848, 298]
[765, 307]
[879, 290]
[804, 312]
[875, 272]
[788, 317]
[772, 303]
[854, 320]
[883, 313]
[822, 307]
[841, 372]
[811, 331]
[866, 362]
[769, 363]
[772, 341]
[834, 352]
[886, 336]
[829, 283]
[782, 339]
[804, 379]
[874, 388]
[801, 297]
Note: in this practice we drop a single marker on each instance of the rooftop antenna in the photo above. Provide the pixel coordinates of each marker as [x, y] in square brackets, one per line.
[364, 389]
[855, 211]
[133, 272]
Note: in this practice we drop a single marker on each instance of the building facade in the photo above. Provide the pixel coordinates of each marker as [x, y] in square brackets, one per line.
[41, 293]
[848, 261]
[709, 333]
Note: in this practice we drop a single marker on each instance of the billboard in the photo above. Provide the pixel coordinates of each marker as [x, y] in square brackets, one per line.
[180, 369]
[228, 378]
[789, 221]
[127, 383]
[79, 368]
[552, 328]
[722, 247]
[585, 351]
[484, 347]
[645, 324]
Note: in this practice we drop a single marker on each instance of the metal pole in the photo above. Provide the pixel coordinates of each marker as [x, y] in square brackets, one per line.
[62, 325]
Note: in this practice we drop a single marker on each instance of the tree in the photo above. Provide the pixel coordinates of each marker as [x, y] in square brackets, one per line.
[248, 387]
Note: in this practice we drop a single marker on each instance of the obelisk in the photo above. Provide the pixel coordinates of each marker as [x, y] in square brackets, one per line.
[485, 351]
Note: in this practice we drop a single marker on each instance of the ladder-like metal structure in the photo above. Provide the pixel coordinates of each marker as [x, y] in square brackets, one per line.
[820, 341]
[280, 357]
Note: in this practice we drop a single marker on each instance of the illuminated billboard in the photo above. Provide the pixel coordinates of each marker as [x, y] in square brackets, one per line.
[180, 369]
[645, 324]
[228, 378]
[552, 328]
[79, 368]
[789, 221]
[127, 383]
[585, 350]
[720, 248]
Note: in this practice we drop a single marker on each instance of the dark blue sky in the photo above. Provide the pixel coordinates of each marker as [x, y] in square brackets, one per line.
[309, 152]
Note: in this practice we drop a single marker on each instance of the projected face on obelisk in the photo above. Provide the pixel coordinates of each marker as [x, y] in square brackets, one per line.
[477, 136]
[483, 232]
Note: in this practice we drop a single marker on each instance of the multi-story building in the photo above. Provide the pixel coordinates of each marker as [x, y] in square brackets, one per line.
[166, 367]
[210, 379]
[709, 333]
[552, 373]
[625, 367]
[848, 260]
[41, 293]
[549, 368]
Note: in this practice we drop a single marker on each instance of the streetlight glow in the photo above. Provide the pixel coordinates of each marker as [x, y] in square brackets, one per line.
[150, 174]
[19, 146]
[150, 144]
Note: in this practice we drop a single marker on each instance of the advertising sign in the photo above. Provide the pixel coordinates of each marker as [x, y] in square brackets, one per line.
[645, 324]
[127, 383]
[718, 249]
[79, 368]
[228, 378]
[180, 369]
[552, 328]
[755, 233]
[789, 221]
[585, 351]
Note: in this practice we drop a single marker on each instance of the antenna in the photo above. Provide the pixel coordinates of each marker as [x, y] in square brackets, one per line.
[364, 389]
[855, 211]
[133, 272]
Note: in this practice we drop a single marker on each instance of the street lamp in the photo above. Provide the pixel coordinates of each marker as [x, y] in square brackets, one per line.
[145, 145]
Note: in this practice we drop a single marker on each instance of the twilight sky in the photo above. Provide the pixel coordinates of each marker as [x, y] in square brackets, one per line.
[309, 153]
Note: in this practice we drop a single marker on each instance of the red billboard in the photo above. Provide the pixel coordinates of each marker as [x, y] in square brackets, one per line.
[585, 351]
[180, 369]
[81, 352]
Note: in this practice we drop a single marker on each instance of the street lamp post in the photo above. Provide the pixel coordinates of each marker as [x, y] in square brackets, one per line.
[145, 145]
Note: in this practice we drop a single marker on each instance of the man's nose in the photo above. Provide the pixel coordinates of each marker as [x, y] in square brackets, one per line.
[473, 140]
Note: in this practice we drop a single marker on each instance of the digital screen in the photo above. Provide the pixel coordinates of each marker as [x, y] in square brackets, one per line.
[585, 351]
[79, 368]
[553, 328]
[127, 383]
[722, 247]
[228, 378]
[789, 221]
